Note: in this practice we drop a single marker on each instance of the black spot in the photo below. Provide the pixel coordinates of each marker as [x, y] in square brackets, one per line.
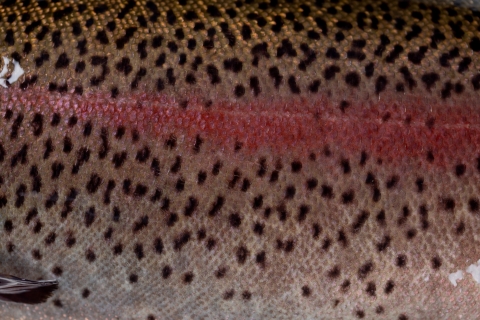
[334, 272]
[258, 228]
[235, 220]
[436, 262]
[255, 85]
[90, 255]
[182, 240]
[460, 228]
[384, 244]
[392, 182]
[9, 38]
[316, 230]
[313, 87]
[448, 204]
[380, 84]
[464, 64]
[389, 287]
[329, 72]
[102, 37]
[228, 295]
[290, 192]
[89, 216]
[312, 183]
[58, 271]
[473, 205]
[292, 83]
[360, 221]
[172, 219]
[411, 233]
[166, 272]
[356, 55]
[342, 238]
[31, 214]
[104, 147]
[108, 233]
[172, 46]
[143, 154]
[211, 244]
[216, 168]
[401, 261]
[233, 65]
[429, 79]
[460, 169]
[177, 165]
[348, 196]
[8, 226]
[394, 54]
[302, 212]
[365, 269]
[51, 200]
[327, 191]
[246, 295]
[345, 285]
[371, 289]
[119, 158]
[339, 36]
[40, 35]
[94, 183]
[344, 25]
[140, 224]
[311, 34]
[475, 44]
[242, 254]
[67, 145]
[306, 291]
[57, 168]
[239, 90]
[124, 66]
[420, 184]
[133, 278]
[38, 227]
[188, 277]
[352, 79]
[275, 74]
[70, 241]
[369, 69]
[62, 61]
[85, 293]
[345, 166]
[118, 249]
[138, 249]
[202, 176]
[359, 43]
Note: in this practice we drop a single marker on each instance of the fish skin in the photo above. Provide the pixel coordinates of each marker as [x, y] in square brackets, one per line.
[150, 195]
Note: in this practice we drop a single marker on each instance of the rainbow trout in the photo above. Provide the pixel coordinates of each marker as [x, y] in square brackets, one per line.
[276, 159]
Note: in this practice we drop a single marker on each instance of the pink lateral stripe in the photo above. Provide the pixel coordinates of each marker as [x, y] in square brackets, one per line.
[291, 127]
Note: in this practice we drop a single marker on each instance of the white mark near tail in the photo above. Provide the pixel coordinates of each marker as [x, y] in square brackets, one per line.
[16, 73]
[454, 277]
[474, 270]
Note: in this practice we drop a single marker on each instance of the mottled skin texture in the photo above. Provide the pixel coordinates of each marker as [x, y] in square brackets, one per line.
[169, 160]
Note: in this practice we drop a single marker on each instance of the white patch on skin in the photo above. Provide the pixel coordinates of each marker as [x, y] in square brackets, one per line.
[474, 270]
[17, 72]
[4, 71]
[454, 277]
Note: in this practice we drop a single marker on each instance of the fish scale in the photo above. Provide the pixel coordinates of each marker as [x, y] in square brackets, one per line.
[278, 160]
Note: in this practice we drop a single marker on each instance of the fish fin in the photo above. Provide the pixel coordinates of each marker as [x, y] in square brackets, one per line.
[19, 290]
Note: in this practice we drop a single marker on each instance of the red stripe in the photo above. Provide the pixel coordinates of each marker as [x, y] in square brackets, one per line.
[287, 127]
